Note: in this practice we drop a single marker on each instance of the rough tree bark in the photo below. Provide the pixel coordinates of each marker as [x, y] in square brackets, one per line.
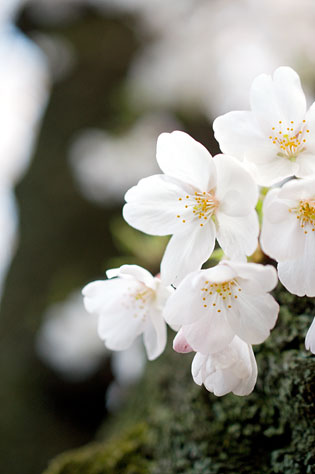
[170, 425]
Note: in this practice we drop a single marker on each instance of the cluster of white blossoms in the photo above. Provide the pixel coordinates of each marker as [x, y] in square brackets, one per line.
[220, 312]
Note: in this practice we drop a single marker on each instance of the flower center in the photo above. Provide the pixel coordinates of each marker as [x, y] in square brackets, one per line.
[220, 295]
[202, 206]
[139, 301]
[305, 213]
[289, 138]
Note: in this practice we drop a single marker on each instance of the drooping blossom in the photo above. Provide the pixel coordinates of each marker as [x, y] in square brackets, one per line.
[232, 369]
[198, 199]
[212, 306]
[276, 139]
[288, 234]
[128, 304]
[310, 338]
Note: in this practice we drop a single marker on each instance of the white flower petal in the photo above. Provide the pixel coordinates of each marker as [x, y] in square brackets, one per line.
[211, 333]
[101, 295]
[154, 336]
[298, 275]
[264, 277]
[280, 98]
[239, 135]
[310, 338]
[282, 237]
[274, 170]
[218, 274]
[238, 236]
[297, 189]
[197, 368]
[186, 252]
[119, 329]
[234, 184]
[289, 245]
[133, 271]
[253, 316]
[221, 382]
[306, 164]
[153, 205]
[162, 294]
[246, 386]
[186, 305]
[310, 137]
[182, 157]
[289, 93]
[233, 369]
[183, 307]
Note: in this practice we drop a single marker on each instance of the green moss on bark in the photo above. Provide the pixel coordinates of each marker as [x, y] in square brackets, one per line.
[171, 425]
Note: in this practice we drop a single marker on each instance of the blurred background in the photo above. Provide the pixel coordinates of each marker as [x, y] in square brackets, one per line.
[86, 86]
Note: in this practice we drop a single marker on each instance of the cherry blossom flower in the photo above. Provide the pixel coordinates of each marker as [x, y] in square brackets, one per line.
[198, 199]
[232, 369]
[310, 338]
[276, 139]
[288, 234]
[127, 306]
[212, 306]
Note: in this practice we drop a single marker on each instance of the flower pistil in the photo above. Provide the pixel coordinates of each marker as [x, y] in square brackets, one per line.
[219, 295]
[305, 213]
[290, 139]
[203, 206]
[138, 301]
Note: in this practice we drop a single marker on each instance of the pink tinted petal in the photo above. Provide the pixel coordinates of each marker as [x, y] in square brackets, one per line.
[180, 343]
